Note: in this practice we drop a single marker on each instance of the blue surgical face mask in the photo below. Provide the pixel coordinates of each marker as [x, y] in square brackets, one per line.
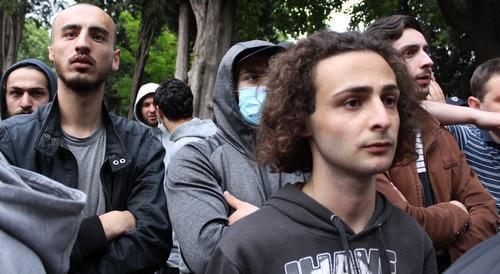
[250, 103]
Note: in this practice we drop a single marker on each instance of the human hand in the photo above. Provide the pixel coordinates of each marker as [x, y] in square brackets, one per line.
[242, 209]
[460, 205]
[116, 223]
[435, 92]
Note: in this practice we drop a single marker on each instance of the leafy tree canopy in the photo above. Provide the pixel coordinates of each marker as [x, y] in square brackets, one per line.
[35, 42]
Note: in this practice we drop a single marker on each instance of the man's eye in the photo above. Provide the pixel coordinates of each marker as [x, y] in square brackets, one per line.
[15, 94]
[352, 103]
[37, 94]
[70, 34]
[98, 37]
[408, 53]
[390, 101]
[252, 77]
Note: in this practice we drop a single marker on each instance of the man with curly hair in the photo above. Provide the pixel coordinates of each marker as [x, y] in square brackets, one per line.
[439, 189]
[340, 106]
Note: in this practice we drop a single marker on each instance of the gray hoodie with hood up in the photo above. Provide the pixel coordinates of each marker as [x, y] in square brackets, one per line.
[201, 171]
[39, 221]
[49, 74]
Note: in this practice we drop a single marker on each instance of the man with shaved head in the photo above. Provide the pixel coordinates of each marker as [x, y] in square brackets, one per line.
[76, 141]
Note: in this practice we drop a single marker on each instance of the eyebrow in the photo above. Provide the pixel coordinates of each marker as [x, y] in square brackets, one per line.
[366, 89]
[92, 29]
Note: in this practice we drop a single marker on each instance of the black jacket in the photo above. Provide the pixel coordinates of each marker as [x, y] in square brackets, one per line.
[132, 176]
[295, 234]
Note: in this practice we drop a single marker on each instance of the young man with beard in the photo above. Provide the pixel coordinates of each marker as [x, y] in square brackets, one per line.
[439, 189]
[25, 86]
[340, 106]
[116, 162]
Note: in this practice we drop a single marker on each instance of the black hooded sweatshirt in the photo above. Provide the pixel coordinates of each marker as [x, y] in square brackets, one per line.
[295, 234]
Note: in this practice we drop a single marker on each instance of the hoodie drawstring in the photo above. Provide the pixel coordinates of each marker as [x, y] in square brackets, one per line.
[384, 260]
[345, 244]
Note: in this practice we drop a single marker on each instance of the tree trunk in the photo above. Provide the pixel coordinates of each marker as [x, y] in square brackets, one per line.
[214, 21]
[182, 60]
[10, 37]
[480, 23]
[141, 59]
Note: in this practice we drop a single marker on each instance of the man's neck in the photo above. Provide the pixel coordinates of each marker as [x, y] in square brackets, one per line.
[173, 125]
[350, 198]
[80, 112]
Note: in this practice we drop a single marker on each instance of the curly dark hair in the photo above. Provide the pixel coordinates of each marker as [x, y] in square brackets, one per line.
[482, 75]
[389, 29]
[291, 93]
[175, 99]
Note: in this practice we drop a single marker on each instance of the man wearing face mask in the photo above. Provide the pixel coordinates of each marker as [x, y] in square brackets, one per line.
[201, 172]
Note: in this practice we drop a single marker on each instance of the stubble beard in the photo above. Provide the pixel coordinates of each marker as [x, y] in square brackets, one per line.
[422, 92]
[81, 83]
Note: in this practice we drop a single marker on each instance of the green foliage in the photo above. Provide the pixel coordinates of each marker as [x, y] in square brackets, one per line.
[272, 20]
[160, 64]
[34, 42]
[161, 61]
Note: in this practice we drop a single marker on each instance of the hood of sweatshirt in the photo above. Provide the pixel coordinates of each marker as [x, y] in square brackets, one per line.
[146, 89]
[227, 115]
[49, 74]
[196, 128]
[304, 210]
[41, 213]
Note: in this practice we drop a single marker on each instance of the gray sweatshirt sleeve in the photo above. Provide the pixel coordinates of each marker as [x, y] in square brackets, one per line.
[196, 205]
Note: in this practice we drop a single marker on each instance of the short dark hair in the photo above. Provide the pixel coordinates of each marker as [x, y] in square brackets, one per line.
[482, 75]
[389, 29]
[291, 94]
[175, 99]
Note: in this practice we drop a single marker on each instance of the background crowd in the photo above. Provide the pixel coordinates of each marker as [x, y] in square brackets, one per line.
[341, 147]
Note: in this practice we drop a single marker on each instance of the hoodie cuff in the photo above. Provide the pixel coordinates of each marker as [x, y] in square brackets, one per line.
[91, 236]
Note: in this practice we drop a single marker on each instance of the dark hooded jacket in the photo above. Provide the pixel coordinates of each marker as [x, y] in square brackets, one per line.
[201, 171]
[295, 234]
[49, 74]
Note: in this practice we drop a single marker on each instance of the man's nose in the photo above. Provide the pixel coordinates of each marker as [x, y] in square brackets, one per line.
[426, 60]
[26, 101]
[82, 44]
[379, 117]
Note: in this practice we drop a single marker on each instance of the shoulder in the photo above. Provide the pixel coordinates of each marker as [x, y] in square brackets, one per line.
[197, 147]
[124, 126]
[23, 126]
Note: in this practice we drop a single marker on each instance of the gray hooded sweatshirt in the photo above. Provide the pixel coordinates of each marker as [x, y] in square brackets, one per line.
[192, 131]
[49, 74]
[39, 221]
[201, 171]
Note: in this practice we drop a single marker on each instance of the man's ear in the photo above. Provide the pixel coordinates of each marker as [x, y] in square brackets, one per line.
[159, 113]
[116, 60]
[474, 102]
[51, 54]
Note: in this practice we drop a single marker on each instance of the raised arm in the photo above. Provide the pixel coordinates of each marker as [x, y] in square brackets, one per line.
[448, 114]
